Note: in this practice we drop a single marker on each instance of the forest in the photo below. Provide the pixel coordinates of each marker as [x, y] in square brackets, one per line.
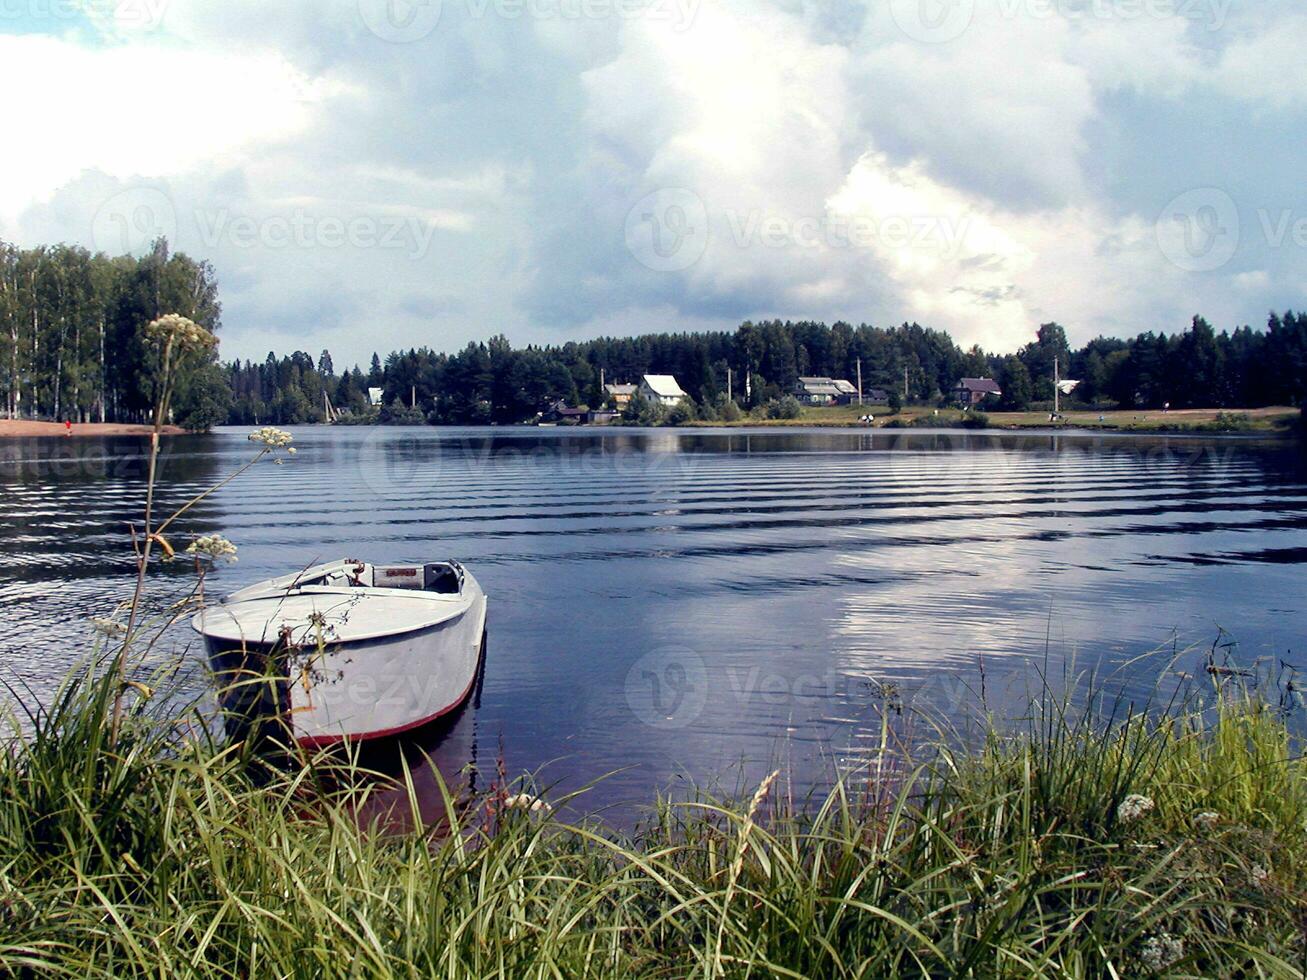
[71, 347]
[72, 343]
[493, 382]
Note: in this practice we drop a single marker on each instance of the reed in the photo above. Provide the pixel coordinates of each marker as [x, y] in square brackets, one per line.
[1108, 843]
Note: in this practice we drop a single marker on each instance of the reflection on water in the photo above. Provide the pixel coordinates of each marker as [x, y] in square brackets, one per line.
[425, 772]
[668, 604]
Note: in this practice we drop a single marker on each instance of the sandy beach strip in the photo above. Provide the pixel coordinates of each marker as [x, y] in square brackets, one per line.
[25, 428]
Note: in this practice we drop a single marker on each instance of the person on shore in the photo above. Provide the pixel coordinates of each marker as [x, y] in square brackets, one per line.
[68, 427]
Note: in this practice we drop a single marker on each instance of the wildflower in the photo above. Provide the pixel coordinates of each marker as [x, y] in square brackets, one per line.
[1207, 820]
[1260, 876]
[1133, 807]
[184, 333]
[525, 801]
[272, 438]
[213, 547]
[1161, 951]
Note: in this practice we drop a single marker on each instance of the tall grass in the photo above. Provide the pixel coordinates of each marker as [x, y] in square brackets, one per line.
[158, 854]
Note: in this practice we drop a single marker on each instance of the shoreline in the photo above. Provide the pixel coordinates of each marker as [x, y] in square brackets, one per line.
[1264, 422]
[31, 428]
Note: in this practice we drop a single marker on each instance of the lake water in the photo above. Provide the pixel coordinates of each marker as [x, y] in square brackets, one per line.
[704, 604]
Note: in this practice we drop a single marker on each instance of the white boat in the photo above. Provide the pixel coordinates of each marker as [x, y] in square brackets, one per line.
[346, 650]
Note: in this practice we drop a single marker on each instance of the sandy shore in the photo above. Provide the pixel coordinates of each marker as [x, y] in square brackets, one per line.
[22, 428]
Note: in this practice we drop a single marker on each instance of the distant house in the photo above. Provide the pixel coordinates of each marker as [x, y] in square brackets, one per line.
[601, 416]
[374, 396]
[620, 394]
[560, 412]
[970, 392]
[661, 388]
[848, 392]
[817, 391]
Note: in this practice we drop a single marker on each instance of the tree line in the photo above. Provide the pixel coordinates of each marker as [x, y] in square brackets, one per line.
[71, 346]
[492, 382]
[72, 342]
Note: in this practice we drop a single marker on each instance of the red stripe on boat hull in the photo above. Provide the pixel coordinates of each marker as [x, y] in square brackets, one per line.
[321, 741]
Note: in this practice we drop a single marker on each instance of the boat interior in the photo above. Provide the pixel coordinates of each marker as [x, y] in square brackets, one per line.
[441, 577]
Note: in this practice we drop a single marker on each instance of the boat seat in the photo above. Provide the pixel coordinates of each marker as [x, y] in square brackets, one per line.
[442, 578]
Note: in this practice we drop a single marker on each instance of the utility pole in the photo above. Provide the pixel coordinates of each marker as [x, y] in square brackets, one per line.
[1057, 390]
[601, 379]
[905, 382]
[413, 397]
[730, 393]
[859, 381]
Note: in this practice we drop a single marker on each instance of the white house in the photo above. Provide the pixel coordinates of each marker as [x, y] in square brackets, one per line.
[661, 388]
[817, 391]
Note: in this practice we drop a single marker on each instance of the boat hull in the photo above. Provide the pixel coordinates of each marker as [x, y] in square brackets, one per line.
[374, 688]
[384, 688]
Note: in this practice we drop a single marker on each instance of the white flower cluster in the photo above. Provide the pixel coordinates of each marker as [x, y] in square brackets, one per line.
[183, 332]
[212, 546]
[273, 438]
[1259, 875]
[1207, 820]
[1133, 807]
[1161, 951]
[525, 801]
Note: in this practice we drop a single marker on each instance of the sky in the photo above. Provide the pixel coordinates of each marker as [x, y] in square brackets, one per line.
[376, 174]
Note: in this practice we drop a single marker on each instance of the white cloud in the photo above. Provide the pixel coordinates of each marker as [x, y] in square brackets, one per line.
[1255, 281]
[141, 109]
[816, 138]
[1267, 69]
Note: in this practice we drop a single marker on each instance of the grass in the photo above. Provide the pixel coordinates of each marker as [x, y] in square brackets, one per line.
[1264, 421]
[161, 854]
